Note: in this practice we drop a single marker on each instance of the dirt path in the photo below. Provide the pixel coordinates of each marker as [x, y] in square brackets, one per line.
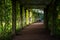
[34, 32]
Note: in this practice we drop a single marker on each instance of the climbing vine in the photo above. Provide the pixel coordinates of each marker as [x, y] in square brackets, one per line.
[5, 19]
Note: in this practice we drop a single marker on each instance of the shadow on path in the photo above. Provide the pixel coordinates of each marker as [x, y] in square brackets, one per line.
[34, 32]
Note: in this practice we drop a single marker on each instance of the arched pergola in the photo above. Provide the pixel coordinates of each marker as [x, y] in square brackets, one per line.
[16, 14]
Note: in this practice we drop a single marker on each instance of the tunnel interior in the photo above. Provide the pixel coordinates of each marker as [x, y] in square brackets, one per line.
[15, 15]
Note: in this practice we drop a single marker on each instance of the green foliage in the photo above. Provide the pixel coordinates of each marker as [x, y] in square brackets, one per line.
[58, 19]
[18, 18]
[5, 19]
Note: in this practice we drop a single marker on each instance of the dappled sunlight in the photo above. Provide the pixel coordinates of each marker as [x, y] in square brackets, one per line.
[3, 24]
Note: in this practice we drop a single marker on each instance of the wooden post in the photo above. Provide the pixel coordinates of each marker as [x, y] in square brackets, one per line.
[25, 16]
[21, 16]
[29, 15]
[46, 18]
[13, 17]
[53, 11]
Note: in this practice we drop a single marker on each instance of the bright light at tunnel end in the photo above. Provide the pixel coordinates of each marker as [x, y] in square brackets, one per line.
[38, 11]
